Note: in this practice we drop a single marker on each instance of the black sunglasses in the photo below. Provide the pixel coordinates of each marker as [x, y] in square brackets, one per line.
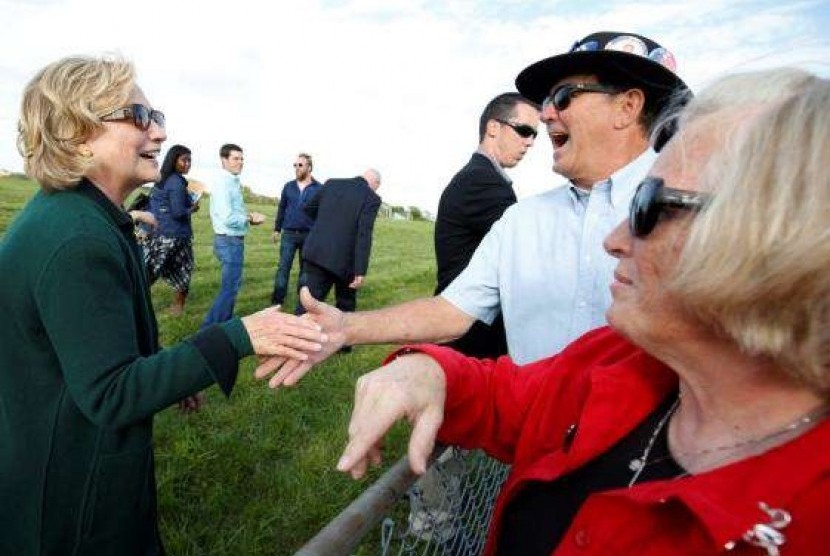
[560, 97]
[523, 130]
[299, 165]
[652, 198]
[140, 114]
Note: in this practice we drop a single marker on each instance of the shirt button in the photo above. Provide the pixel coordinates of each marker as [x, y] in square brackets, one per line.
[581, 538]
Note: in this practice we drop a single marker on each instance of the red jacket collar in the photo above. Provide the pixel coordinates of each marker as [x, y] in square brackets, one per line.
[727, 500]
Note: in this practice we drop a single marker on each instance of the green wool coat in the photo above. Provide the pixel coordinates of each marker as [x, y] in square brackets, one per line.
[81, 377]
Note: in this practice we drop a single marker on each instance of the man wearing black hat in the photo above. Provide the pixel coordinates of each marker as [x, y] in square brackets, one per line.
[542, 264]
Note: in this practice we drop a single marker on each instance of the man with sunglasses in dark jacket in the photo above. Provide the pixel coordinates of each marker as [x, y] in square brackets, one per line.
[476, 197]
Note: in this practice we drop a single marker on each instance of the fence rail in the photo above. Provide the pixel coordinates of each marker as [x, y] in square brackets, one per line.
[446, 512]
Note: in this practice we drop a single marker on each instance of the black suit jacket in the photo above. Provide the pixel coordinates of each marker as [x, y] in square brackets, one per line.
[475, 198]
[341, 238]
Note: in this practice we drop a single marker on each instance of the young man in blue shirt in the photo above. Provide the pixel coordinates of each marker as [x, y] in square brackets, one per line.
[230, 222]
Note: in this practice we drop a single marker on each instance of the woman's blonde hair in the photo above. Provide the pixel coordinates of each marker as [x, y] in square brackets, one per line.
[61, 110]
[756, 264]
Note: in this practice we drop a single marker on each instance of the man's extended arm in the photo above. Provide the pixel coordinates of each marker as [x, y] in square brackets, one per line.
[430, 319]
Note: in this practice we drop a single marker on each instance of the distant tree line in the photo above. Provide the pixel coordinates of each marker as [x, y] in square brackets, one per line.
[396, 212]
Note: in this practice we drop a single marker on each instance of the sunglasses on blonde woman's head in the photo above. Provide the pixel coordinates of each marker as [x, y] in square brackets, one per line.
[522, 130]
[653, 198]
[140, 115]
[560, 97]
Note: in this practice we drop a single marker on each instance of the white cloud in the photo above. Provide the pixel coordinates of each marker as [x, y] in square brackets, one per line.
[395, 84]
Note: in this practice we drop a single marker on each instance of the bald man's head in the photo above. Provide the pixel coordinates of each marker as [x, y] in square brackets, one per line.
[372, 177]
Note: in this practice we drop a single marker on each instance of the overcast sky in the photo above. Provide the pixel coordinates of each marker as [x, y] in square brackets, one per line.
[394, 84]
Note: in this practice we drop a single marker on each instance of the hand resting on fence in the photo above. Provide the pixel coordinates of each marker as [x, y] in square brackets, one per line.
[412, 387]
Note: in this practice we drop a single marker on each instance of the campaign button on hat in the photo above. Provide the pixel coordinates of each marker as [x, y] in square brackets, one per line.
[663, 57]
[627, 43]
[585, 47]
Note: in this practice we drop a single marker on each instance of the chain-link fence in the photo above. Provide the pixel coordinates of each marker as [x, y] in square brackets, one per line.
[445, 512]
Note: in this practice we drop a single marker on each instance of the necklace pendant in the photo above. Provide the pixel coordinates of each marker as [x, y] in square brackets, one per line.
[636, 464]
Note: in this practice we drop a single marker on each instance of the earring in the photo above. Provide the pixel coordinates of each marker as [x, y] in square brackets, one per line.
[85, 151]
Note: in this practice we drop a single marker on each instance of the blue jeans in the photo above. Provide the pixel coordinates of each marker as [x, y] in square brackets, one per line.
[290, 243]
[230, 250]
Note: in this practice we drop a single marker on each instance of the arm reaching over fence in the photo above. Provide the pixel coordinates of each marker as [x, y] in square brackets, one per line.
[430, 319]
[412, 386]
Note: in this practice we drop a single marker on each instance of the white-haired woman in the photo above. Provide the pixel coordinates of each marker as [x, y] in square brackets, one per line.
[697, 422]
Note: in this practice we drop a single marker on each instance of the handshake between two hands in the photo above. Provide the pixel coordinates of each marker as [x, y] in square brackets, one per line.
[411, 387]
[288, 346]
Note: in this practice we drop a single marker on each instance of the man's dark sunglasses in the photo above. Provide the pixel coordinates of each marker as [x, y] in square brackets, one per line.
[140, 115]
[525, 131]
[560, 97]
[652, 198]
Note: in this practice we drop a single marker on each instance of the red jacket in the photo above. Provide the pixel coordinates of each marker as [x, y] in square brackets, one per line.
[553, 416]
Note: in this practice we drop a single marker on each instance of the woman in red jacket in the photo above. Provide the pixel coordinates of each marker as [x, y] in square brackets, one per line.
[697, 423]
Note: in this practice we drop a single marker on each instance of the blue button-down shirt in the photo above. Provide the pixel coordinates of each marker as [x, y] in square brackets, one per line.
[227, 208]
[290, 214]
[542, 264]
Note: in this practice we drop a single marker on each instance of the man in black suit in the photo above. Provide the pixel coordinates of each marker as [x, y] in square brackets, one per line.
[336, 251]
[476, 197]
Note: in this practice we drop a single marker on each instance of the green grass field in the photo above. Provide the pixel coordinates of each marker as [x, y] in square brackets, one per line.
[255, 474]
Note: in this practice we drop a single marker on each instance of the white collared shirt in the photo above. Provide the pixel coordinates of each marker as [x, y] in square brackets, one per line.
[543, 265]
[496, 165]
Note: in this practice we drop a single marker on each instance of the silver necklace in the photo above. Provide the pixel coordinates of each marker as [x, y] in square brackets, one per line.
[637, 464]
[806, 419]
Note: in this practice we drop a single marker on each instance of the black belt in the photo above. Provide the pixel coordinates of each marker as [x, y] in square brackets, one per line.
[295, 230]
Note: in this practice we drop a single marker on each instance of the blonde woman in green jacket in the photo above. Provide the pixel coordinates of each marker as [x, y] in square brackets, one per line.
[81, 372]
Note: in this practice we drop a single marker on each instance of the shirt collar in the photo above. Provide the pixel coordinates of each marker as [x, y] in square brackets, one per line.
[116, 214]
[230, 175]
[621, 184]
[625, 180]
[495, 164]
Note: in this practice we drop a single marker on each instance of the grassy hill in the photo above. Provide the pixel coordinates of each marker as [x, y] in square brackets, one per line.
[255, 475]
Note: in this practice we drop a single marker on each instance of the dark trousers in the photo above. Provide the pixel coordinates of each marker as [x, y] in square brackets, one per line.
[319, 282]
[290, 242]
